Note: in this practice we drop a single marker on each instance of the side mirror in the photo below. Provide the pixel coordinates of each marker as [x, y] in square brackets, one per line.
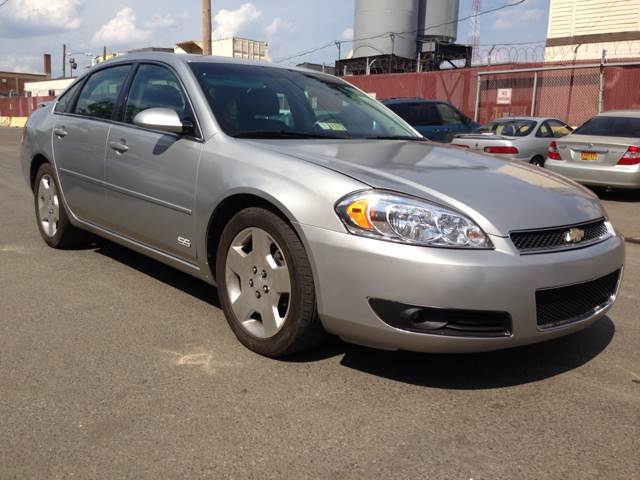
[164, 119]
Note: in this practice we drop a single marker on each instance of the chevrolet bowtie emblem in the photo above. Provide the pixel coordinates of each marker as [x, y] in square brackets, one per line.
[574, 235]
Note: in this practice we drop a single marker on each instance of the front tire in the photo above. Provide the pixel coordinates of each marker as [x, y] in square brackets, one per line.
[265, 285]
[53, 222]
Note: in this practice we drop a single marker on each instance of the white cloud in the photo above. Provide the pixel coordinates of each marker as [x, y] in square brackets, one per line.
[121, 30]
[39, 17]
[165, 21]
[347, 34]
[278, 25]
[22, 63]
[507, 19]
[229, 22]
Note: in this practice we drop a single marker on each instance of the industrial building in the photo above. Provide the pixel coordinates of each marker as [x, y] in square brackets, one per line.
[12, 84]
[234, 47]
[318, 67]
[403, 36]
[583, 29]
[47, 88]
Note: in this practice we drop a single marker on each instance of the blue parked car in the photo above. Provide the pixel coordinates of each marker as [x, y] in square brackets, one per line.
[436, 120]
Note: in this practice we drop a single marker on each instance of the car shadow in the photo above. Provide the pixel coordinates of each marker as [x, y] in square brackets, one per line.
[503, 368]
[617, 194]
[472, 371]
[166, 274]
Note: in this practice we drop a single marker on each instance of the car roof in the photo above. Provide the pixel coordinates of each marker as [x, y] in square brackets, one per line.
[621, 113]
[186, 58]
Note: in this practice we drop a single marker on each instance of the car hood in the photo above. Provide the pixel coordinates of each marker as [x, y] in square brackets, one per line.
[500, 195]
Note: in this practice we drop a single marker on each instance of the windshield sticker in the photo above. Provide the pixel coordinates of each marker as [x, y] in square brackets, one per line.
[335, 126]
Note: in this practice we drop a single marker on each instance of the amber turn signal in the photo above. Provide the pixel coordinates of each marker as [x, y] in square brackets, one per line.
[358, 214]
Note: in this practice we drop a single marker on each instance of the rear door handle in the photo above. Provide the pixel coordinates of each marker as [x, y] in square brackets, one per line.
[119, 147]
[60, 132]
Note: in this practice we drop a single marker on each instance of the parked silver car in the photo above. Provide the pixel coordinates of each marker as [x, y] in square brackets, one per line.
[315, 209]
[522, 138]
[604, 151]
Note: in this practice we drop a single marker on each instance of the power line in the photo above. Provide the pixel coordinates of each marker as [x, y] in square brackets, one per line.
[386, 34]
[2, 4]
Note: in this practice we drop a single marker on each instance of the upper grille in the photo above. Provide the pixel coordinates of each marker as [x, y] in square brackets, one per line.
[532, 241]
[556, 306]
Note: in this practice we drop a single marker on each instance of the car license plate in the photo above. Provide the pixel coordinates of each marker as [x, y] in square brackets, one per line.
[588, 156]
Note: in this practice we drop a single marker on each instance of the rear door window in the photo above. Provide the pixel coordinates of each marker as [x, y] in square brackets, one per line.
[611, 127]
[420, 113]
[100, 92]
[544, 131]
[559, 129]
[65, 102]
[449, 114]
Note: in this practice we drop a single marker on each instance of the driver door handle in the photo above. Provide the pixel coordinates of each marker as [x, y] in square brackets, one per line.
[119, 147]
[60, 132]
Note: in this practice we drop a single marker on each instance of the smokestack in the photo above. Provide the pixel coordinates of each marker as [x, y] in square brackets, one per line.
[47, 64]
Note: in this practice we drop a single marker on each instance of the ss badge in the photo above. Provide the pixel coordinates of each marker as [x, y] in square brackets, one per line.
[185, 242]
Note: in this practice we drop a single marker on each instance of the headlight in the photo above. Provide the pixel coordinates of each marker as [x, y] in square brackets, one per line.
[397, 218]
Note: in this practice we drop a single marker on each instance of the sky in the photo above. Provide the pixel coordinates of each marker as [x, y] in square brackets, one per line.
[29, 28]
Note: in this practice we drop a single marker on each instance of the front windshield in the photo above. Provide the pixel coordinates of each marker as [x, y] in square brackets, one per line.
[251, 101]
[508, 128]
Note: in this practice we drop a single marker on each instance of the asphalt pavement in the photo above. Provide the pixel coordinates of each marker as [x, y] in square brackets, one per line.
[115, 366]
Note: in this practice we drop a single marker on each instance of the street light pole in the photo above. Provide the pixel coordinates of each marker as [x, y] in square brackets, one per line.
[206, 27]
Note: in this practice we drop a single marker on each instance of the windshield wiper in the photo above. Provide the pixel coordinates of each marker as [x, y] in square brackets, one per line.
[283, 134]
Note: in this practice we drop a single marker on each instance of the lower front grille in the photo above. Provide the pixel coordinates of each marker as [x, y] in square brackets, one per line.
[557, 306]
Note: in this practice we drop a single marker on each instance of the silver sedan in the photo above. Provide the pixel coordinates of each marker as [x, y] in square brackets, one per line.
[314, 209]
[604, 151]
[521, 138]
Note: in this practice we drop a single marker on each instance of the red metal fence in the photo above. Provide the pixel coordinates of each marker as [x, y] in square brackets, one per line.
[572, 93]
[21, 106]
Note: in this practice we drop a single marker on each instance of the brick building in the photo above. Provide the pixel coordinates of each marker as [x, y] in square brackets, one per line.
[12, 83]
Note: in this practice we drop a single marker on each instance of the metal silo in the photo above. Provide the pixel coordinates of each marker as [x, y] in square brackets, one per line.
[438, 20]
[381, 17]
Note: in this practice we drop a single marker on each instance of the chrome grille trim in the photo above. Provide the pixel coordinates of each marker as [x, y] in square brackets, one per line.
[546, 240]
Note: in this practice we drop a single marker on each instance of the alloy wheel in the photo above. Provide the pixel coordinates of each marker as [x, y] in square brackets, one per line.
[48, 205]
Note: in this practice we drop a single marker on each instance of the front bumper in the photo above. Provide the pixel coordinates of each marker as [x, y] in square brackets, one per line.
[621, 176]
[350, 270]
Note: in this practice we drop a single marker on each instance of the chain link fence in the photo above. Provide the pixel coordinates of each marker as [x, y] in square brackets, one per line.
[571, 93]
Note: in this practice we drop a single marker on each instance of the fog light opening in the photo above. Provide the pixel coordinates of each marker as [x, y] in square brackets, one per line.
[423, 319]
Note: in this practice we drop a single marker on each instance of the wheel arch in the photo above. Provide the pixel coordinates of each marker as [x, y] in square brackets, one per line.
[36, 162]
[232, 204]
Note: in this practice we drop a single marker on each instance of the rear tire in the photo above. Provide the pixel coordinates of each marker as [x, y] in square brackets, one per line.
[265, 285]
[538, 161]
[52, 219]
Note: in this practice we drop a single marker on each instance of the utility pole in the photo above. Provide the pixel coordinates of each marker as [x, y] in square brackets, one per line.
[64, 60]
[104, 54]
[206, 27]
[474, 34]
